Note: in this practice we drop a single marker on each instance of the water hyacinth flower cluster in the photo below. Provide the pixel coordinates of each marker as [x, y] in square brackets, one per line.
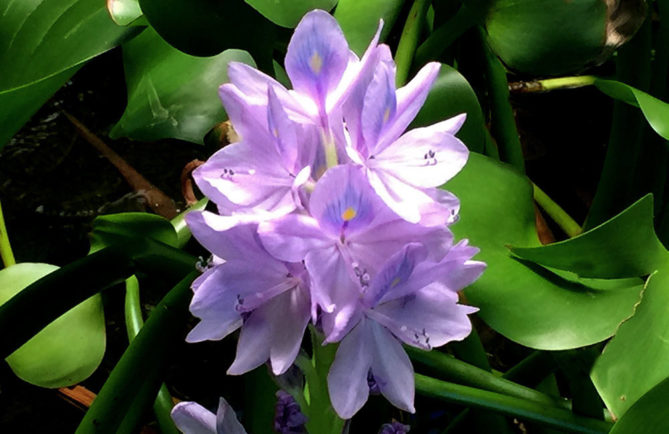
[329, 213]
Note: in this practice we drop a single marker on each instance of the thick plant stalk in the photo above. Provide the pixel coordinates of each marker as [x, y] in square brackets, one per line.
[6, 252]
[409, 40]
[556, 213]
[143, 363]
[517, 407]
[162, 405]
[503, 123]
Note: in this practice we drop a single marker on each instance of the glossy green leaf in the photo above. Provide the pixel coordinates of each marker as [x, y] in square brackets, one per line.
[41, 45]
[66, 351]
[546, 36]
[359, 20]
[648, 415]
[288, 13]
[451, 95]
[172, 94]
[655, 111]
[206, 27]
[124, 12]
[132, 224]
[624, 246]
[637, 358]
[526, 303]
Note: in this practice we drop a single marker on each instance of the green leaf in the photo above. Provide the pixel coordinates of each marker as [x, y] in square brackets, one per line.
[648, 415]
[124, 12]
[131, 224]
[66, 351]
[542, 37]
[206, 28]
[359, 20]
[172, 94]
[451, 95]
[43, 43]
[637, 358]
[287, 13]
[525, 303]
[624, 246]
[655, 111]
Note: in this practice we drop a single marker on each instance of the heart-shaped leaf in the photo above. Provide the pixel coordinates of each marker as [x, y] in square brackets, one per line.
[44, 42]
[451, 95]
[637, 358]
[624, 246]
[526, 303]
[172, 94]
[648, 415]
[287, 13]
[66, 351]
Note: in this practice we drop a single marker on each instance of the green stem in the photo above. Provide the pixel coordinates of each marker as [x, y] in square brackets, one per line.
[179, 222]
[532, 369]
[549, 84]
[162, 405]
[455, 370]
[502, 122]
[5, 248]
[43, 301]
[142, 364]
[406, 48]
[517, 407]
[557, 214]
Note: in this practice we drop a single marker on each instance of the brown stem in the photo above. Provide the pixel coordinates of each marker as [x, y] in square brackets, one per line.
[158, 201]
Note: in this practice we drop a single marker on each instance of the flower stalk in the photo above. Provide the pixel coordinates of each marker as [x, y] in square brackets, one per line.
[556, 213]
[6, 252]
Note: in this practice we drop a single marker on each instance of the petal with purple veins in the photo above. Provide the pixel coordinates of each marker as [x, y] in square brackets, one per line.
[291, 237]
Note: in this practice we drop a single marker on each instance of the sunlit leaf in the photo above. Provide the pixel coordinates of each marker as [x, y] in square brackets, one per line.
[655, 111]
[124, 12]
[129, 224]
[625, 246]
[66, 351]
[287, 13]
[526, 303]
[172, 94]
[648, 415]
[637, 358]
[42, 44]
[360, 19]
[451, 95]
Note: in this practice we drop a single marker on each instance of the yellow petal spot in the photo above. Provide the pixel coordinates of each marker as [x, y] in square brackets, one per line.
[316, 63]
[396, 281]
[348, 214]
[386, 115]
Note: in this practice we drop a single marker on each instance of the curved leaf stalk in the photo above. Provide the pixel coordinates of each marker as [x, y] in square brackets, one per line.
[549, 84]
[464, 373]
[517, 407]
[43, 301]
[141, 367]
[162, 405]
[5, 247]
[406, 48]
[179, 222]
[556, 213]
[503, 124]
[614, 191]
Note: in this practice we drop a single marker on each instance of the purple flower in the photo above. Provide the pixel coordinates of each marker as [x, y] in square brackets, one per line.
[402, 168]
[348, 237]
[394, 428]
[262, 173]
[267, 297]
[411, 300]
[288, 419]
[192, 418]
